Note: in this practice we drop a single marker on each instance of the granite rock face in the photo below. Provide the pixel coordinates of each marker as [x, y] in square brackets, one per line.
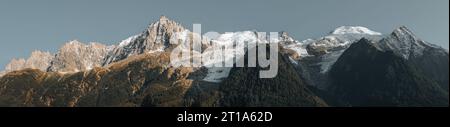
[76, 56]
[156, 38]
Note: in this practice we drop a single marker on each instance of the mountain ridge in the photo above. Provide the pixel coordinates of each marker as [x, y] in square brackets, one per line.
[136, 72]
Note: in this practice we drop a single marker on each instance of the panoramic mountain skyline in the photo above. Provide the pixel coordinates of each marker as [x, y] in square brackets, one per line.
[399, 70]
[53, 23]
[224, 62]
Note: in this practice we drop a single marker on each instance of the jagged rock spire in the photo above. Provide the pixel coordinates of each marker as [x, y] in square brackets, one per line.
[155, 38]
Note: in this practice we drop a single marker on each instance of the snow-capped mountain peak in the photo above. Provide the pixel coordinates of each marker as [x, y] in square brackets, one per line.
[354, 30]
[329, 48]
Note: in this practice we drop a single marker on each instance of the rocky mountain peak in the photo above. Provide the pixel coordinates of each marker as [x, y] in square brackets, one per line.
[37, 60]
[404, 34]
[285, 38]
[15, 64]
[163, 18]
[156, 38]
[76, 56]
[404, 43]
[73, 42]
[159, 33]
[403, 30]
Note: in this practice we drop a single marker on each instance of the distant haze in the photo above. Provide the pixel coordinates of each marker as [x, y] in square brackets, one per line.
[27, 25]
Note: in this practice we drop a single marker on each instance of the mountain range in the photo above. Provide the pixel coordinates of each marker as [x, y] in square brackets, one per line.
[351, 66]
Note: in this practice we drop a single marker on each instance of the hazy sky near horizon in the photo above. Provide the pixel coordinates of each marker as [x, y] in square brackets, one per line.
[28, 25]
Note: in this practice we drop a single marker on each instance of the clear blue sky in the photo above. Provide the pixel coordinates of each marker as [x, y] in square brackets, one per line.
[27, 25]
